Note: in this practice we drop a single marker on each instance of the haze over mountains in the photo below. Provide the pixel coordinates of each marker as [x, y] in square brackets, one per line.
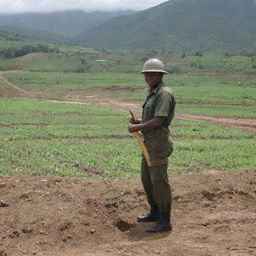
[68, 23]
[181, 25]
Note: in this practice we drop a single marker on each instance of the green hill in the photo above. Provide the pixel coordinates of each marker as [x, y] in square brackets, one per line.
[210, 26]
[14, 45]
[35, 34]
[182, 26]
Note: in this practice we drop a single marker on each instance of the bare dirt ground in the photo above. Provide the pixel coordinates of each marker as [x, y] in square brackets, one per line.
[213, 214]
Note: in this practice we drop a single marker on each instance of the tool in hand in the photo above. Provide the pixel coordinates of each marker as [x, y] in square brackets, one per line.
[138, 136]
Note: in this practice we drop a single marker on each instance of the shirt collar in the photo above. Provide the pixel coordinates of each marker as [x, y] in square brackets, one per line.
[155, 90]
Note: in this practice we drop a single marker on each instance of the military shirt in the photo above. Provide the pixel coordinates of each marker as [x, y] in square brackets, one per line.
[159, 102]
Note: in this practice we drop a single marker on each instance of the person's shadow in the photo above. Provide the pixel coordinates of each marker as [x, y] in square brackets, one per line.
[137, 233]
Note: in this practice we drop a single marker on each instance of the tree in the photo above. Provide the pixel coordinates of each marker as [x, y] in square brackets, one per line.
[199, 54]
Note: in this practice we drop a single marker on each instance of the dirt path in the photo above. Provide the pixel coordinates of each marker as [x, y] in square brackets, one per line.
[12, 85]
[96, 100]
[26, 93]
[237, 123]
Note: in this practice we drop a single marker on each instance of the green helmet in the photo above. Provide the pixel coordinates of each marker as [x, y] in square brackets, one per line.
[153, 65]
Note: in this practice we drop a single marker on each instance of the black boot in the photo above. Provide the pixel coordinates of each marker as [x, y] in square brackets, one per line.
[163, 225]
[152, 216]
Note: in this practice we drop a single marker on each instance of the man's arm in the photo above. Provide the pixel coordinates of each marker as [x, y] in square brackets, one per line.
[152, 124]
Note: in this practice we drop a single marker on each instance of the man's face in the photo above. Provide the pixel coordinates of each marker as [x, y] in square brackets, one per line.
[153, 78]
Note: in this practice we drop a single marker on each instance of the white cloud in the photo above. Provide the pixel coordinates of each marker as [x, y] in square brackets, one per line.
[17, 6]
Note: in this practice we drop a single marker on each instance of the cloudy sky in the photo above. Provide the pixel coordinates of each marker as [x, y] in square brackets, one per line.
[18, 6]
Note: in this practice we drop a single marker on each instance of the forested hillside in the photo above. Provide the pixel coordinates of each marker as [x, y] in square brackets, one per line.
[35, 34]
[182, 25]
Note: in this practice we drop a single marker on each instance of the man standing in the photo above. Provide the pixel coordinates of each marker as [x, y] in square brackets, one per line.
[158, 112]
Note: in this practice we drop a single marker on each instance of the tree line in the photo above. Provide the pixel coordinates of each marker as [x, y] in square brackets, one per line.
[13, 52]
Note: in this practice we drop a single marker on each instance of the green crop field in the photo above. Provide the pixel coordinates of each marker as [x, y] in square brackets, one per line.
[54, 81]
[214, 63]
[39, 137]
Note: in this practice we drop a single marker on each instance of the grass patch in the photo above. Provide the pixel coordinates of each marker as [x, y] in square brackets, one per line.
[71, 158]
[92, 158]
[34, 106]
[83, 60]
[32, 141]
[62, 81]
[192, 157]
[188, 129]
[213, 63]
[218, 110]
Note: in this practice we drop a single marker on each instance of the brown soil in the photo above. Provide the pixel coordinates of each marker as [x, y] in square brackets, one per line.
[213, 214]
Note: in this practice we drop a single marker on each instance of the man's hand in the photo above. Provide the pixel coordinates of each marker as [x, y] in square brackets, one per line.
[132, 120]
[133, 128]
[152, 124]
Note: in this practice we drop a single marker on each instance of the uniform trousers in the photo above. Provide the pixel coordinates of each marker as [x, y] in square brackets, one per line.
[156, 185]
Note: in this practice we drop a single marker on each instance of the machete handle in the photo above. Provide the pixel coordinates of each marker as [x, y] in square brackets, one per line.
[138, 136]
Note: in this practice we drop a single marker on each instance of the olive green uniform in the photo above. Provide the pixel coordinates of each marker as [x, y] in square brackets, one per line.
[160, 102]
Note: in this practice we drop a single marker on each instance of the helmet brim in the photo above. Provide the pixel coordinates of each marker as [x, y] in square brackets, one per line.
[153, 71]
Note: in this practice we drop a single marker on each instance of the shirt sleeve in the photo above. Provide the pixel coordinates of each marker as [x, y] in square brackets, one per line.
[163, 104]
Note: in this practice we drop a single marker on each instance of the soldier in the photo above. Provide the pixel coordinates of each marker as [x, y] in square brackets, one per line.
[158, 112]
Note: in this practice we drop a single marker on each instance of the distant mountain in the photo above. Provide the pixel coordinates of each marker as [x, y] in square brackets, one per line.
[68, 24]
[181, 25]
[185, 26]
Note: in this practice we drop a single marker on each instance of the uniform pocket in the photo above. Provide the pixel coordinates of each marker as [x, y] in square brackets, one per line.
[167, 149]
[159, 147]
[148, 111]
